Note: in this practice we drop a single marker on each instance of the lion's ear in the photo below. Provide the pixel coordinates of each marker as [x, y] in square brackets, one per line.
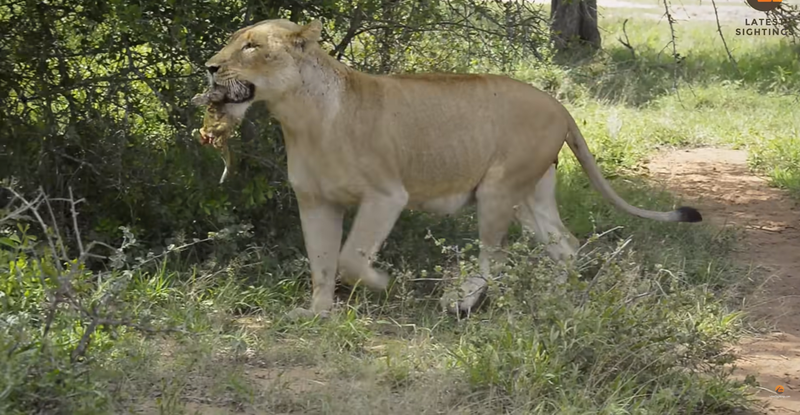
[309, 33]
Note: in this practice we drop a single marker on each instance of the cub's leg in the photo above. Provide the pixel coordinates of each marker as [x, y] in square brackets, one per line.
[495, 214]
[538, 213]
[321, 222]
[376, 217]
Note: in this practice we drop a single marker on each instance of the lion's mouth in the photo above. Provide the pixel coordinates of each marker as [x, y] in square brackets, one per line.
[238, 92]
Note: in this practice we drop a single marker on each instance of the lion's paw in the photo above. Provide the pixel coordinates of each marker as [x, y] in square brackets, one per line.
[374, 279]
[378, 280]
[467, 298]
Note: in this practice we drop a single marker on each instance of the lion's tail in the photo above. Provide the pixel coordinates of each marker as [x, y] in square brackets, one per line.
[577, 143]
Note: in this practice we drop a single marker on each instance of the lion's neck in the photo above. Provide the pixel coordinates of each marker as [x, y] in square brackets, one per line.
[320, 94]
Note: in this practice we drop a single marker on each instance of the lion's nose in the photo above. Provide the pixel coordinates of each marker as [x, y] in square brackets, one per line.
[212, 69]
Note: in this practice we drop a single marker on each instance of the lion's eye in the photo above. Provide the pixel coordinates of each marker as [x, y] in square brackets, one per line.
[249, 46]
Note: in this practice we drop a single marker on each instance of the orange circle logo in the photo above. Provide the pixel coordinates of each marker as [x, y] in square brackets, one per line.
[779, 389]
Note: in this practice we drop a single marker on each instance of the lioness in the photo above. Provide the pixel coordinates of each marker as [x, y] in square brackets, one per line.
[432, 142]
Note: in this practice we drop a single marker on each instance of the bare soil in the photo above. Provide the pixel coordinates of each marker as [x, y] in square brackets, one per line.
[731, 13]
[719, 184]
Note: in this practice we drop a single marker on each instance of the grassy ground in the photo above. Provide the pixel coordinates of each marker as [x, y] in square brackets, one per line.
[628, 102]
[642, 329]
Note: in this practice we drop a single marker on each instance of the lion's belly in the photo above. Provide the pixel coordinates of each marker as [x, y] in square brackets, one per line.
[440, 184]
[444, 173]
[446, 205]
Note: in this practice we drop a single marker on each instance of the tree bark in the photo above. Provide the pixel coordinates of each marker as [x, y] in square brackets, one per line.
[574, 20]
[387, 35]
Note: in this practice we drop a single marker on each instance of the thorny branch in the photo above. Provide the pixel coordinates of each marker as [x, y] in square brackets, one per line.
[673, 38]
[133, 68]
[603, 267]
[355, 23]
[788, 17]
[724, 43]
[98, 314]
[627, 41]
[463, 22]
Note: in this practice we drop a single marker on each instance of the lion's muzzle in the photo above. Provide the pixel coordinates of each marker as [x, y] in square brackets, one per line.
[236, 91]
[239, 91]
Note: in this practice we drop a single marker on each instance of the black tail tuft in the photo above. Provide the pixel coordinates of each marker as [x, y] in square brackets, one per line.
[689, 214]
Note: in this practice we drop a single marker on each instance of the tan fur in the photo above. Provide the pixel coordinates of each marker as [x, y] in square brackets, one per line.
[217, 126]
[433, 142]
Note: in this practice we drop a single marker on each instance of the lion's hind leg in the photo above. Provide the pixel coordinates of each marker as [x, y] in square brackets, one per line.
[495, 214]
[538, 213]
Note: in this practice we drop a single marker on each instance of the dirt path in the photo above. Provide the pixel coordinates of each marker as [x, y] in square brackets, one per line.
[717, 182]
[730, 12]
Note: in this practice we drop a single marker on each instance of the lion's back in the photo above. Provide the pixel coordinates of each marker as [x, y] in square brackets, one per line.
[445, 126]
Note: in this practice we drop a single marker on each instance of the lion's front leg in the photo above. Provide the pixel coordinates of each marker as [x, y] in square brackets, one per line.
[374, 221]
[321, 222]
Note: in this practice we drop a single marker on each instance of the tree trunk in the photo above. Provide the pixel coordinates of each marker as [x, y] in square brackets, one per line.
[574, 21]
[386, 37]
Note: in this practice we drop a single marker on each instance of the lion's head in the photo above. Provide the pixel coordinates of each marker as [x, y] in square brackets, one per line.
[261, 62]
